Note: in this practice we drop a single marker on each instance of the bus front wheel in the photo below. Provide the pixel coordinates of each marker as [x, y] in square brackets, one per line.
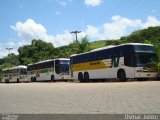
[52, 78]
[122, 75]
[80, 77]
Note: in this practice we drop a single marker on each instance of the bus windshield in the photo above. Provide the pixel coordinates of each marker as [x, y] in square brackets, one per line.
[23, 71]
[145, 59]
[62, 66]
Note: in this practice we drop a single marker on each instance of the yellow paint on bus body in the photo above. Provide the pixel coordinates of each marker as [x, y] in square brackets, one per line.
[93, 65]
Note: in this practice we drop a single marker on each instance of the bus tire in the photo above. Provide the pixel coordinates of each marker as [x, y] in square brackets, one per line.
[52, 78]
[6, 80]
[121, 75]
[80, 77]
[86, 77]
[17, 80]
[34, 79]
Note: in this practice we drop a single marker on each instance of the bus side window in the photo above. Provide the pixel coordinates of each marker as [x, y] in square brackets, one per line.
[44, 65]
[51, 65]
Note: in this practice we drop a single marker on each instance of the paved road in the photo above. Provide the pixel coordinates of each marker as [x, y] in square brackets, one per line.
[61, 97]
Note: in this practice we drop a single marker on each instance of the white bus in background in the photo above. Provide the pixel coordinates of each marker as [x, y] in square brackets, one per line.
[15, 74]
[49, 70]
[131, 60]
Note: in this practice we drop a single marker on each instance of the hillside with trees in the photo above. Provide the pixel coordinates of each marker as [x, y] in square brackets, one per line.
[40, 50]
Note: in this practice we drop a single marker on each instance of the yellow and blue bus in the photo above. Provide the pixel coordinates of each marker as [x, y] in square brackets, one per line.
[130, 60]
[49, 70]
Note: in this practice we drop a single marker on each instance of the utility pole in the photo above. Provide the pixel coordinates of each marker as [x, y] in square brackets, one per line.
[9, 49]
[76, 32]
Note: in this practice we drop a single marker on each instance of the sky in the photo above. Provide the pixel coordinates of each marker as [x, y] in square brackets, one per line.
[53, 20]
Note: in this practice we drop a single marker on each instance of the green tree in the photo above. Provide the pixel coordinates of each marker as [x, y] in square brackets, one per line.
[82, 45]
[10, 60]
[37, 51]
[74, 48]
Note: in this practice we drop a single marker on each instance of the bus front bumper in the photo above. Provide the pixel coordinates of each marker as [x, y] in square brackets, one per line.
[146, 75]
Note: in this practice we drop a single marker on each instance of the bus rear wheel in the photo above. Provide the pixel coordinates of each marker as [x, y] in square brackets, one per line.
[86, 77]
[122, 75]
[80, 77]
[34, 79]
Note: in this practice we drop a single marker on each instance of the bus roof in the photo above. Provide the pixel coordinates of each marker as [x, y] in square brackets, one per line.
[16, 67]
[44, 61]
[135, 44]
[112, 46]
[101, 48]
[49, 60]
